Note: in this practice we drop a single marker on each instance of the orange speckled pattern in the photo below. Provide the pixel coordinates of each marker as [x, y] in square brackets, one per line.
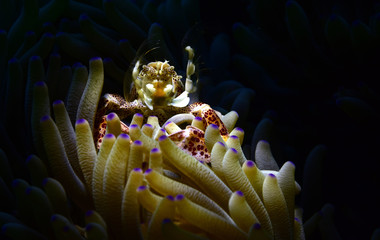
[191, 141]
[186, 139]
[101, 132]
[209, 116]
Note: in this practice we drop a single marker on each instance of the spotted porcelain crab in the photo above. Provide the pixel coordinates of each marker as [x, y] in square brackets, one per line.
[157, 90]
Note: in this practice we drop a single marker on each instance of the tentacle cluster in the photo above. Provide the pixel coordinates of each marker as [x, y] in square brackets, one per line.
[137, 173]
[143, 184]
[146, 161]
[113, 29]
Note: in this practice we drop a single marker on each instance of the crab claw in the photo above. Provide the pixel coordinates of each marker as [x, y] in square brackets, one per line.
[181, 101]
[148, 102]
[191, 141]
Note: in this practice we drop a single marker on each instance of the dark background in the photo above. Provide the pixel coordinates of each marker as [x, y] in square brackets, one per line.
[311, 117]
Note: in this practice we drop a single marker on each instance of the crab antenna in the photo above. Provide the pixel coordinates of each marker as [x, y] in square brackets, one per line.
[189, 85]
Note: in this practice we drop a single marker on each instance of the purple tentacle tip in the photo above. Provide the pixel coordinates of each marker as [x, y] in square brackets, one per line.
[83, 16]
[53, 218]
[111, 116]
[149, 170]
[35, 58]
[40, 84]
[170, 197]
[57, 102]
[45, 181]
[179, 197]
[234, 137]
[77, 65]
[148, 125]
[289, 3]
[124, 135]
[272, 175]
[155, 150]
[166, 220]
[12, 60]
[214, 126]
[257, 226]
[59, 34]
[221, 144]
[137, 170]
[158, 24]
[81, 121]
[236, 25]
[239, 129]
[89, 213]
[137, 142]
[45, 118]
[48, 35]
[198, 118]
[333, 17]
[29, 158]
[15, 183]
[162, 138]
[142, 188]
[234, 150]
[250, 163]
[138, 115]
[109, 135]
[167, 123]
[95, 59]
[239, 193]
[134, 126]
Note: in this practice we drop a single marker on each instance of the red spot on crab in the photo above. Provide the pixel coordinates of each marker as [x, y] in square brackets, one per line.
[191, 139]
[102, 131]
[190, 142]
[209, 116]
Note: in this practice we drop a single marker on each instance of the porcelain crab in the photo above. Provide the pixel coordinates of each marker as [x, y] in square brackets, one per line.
[157, 90]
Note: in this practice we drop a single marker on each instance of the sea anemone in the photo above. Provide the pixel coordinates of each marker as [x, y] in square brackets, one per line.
[140, 181]
[107, 34]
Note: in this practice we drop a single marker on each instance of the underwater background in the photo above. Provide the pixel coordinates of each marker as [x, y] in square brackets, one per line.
[302, 75]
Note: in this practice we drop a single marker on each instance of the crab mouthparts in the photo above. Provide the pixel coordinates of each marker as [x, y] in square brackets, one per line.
[157, 89]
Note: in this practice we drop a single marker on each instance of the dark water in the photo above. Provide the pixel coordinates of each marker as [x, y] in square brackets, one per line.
[313, 91]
